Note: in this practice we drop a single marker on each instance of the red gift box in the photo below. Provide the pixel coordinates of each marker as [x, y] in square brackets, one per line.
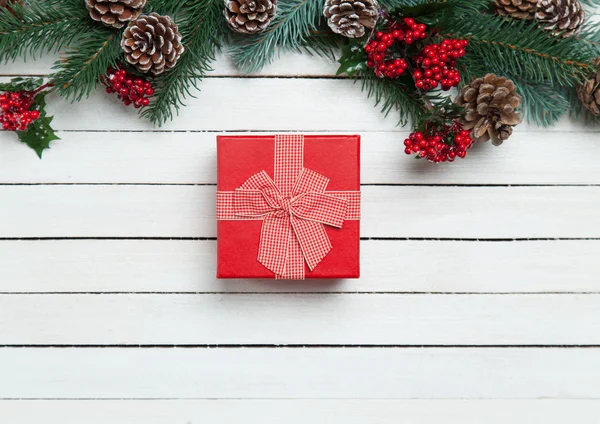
[267, 220]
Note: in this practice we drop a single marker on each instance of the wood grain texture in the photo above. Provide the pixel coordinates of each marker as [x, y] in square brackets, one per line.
[189, 158]
[280, 319]
[387, 266]
[300, 373]
[308, 105]
[122, 303]
[189, 211]
[315, 411]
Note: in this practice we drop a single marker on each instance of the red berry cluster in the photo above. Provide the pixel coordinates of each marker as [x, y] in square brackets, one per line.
[15, 114]
[437, 64]
[129, 88]
[439, 146]
[379, 54]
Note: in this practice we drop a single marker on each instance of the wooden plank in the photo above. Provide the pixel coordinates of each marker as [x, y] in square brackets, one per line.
[314, 319]
[189, 158]
[288, 64]
[308, 105]
[387, 266]
[300, 373]
[395, 211]
[275, 411]
[222, 105]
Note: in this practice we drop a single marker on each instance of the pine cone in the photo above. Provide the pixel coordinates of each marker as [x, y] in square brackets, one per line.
[589, 91]
[152, 43]
[350, 17]
[561, 17]
[490, 104]
[518, 9]
[7, 3]
[249, 16]
[115, 13]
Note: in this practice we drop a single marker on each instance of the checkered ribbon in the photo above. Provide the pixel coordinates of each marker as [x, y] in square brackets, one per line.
[294, 209]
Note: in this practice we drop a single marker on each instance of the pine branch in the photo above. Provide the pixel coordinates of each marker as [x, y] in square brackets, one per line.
[590, 36]
[577, 110]
[165, 7]
[41, 27]
[590, 3]
[542, 103]
[520, 48]
[289, 30]
[323, 43]
[201, 25]
[78, 72]
[393, 95]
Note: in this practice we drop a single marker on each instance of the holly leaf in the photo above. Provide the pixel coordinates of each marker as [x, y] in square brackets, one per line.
[353, 60]
[22, 84]
[39, 134]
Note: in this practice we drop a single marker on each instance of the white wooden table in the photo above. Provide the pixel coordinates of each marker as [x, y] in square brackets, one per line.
[479, 300]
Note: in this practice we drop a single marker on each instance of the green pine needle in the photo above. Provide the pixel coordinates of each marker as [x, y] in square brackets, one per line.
[201, 22]
[393, 95]
[41, 27]
[520, 48]
[294, 23]
[542, 104]
[81, 68]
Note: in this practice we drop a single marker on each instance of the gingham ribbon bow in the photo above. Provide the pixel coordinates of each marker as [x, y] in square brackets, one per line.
[294, 209]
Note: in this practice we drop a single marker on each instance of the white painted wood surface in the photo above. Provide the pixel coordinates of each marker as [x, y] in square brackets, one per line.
[479, 299]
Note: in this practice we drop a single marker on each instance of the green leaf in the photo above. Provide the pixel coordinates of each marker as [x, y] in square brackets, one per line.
[39, 134]
[353, 60]
[22, 84]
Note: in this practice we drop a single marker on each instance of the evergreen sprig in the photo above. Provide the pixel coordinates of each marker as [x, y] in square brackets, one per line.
[40, 27]
[289, 30]
[201, 24]
[542, 103]
[83, 65]
[520, 48]
[394, 95]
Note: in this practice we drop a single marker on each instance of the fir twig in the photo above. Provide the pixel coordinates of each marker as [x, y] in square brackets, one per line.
[520, 48]
[81, 68]
[40, 27]
[393, 95]
[289, 30]
[201, 24]
[542, 103]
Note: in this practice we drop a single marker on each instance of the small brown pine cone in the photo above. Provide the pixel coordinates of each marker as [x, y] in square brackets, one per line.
[351, 18]
[518, 9]
[561, 17]
[7, 3]
[490, 108]
[115, 13]
[152, 43]
[249, 16]
[589, 91]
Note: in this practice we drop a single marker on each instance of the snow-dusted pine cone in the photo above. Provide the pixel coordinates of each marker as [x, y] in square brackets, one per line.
[490, 108]
[115, 13]
[351, 18]
[249, 16]
[518, 9]
[152, 43]
[561, 17]
[589, 91]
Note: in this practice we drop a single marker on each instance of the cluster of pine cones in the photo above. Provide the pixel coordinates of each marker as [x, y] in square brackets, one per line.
[151, 43]
[350, 18]
[560, 17]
